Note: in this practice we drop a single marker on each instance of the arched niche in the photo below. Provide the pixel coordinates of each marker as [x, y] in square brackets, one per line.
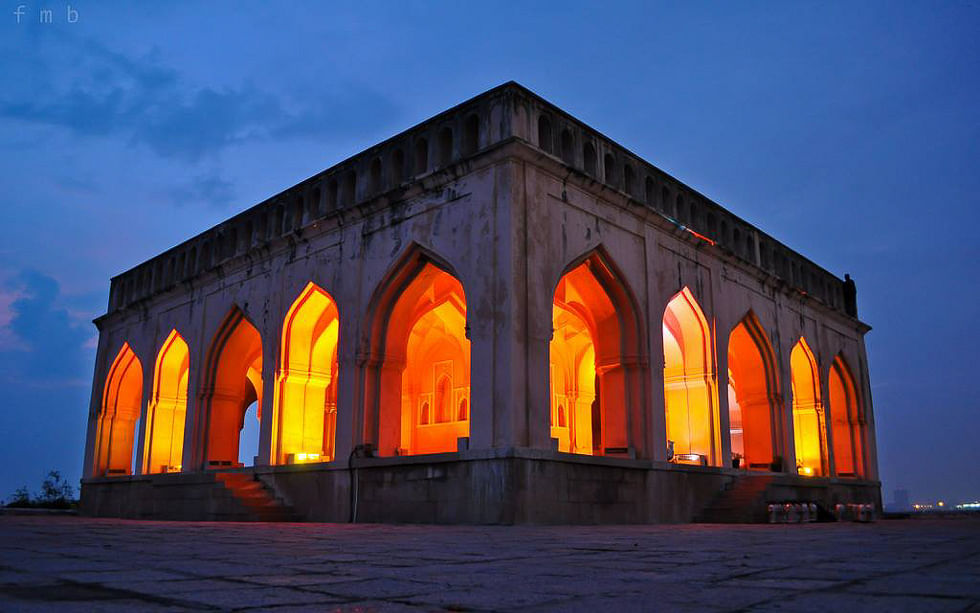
[232, 383]
[690, 395]
[753, 396]
[418, 377]
[122, 399]
[594, 361]
[846, 421]
[809, 431]
[167, 412]
[306, 381]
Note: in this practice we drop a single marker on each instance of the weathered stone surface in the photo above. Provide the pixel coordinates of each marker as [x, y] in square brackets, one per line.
[909, 565]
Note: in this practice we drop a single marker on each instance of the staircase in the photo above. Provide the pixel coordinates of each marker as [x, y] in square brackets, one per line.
[743, 501]
[259, 501]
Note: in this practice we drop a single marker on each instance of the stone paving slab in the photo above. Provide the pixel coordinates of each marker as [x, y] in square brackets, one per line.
[71, 564]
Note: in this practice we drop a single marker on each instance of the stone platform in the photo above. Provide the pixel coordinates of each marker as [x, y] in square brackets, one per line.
[79, 564]
[504, 486]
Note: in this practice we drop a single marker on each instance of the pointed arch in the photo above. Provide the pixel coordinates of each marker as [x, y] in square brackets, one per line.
[305, 412]
[753, 395]
[232, 382]
[122, 400]
[809, 431]
[847, 420]
[168, 407]
[418, 371]
[595, 352]
[690, 395]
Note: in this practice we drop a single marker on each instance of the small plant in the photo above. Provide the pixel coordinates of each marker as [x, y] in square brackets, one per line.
[56, 493]
[21, 498]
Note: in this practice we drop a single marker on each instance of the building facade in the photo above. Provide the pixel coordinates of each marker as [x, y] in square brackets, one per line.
[498, 315]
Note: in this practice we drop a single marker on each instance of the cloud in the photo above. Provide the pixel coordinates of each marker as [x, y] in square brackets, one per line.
[209, 188]
[46, 347]
[150, 104]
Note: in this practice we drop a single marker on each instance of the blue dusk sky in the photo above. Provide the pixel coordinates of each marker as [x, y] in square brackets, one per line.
[848, 130]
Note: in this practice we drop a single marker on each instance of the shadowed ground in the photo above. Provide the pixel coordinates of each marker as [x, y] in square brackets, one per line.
[77, 564]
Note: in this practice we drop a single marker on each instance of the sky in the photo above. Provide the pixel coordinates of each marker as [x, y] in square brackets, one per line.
[849, 131]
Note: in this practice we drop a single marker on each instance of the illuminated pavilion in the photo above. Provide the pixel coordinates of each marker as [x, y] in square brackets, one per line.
[496, 316]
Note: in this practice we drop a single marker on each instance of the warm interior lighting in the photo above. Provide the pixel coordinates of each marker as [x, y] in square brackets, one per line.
[234, 383]
[689, 380]
[808, 427]
[846, 421]
[306, 399]
[589, 387]
[300, 458]
[121, 401]
[168, 407]
[752, 394]
[424, 381]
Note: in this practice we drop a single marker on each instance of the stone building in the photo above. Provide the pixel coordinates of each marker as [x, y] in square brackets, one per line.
[498, 315]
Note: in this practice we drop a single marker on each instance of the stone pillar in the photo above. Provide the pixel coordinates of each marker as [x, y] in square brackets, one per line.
[656, 303]
[869, 440]
[786, 376]
[721, 377]
[826, 418]
[268, 420]
[348, 412]
[145, 433]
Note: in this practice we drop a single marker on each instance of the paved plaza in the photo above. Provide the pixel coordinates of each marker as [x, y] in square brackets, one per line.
[78, 564]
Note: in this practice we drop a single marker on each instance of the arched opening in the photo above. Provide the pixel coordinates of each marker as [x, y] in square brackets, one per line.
[609, 170]
[471, 135]
[350, 189]
[444, 154]
[374, 176]
[422, 377]
[544, 133]
[753, 392]
[421, 156]
[233, 381]
[689, 383]
[649, 192]
[567, 147]
[593, 355]
[306, 383]
[588, 158]
[397, 167]
[121, 402]
[168, 407]
[808, 426]
[848, 425]
[628, 179]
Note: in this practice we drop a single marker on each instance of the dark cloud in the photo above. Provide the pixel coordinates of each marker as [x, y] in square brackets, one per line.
[49, 346]
[110, 94]
[208, 188]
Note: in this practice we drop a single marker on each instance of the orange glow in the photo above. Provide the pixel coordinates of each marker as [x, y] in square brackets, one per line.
[306, 399]
[591, 379]
[846, 419]
[121, 402]
[689, 380]
[425, 379]
[752, 393]
[808, 427]
[168, 407]
[234, 383]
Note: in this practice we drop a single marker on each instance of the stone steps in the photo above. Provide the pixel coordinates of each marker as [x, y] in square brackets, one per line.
[743, 501]
[260, 503]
